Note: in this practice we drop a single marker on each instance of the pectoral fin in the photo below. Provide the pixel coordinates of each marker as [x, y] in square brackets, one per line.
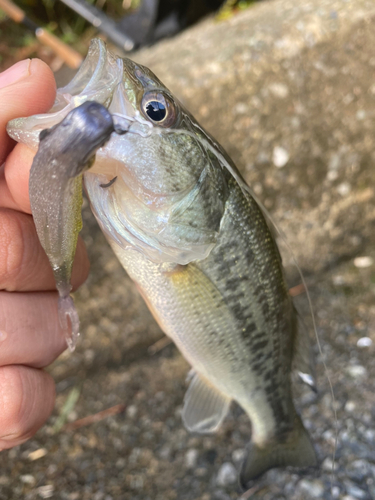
[204, 406]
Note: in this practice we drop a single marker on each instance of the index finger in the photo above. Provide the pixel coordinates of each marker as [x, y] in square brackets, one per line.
[25, 89]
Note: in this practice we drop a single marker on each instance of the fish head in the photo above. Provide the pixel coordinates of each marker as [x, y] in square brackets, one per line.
[169, 194]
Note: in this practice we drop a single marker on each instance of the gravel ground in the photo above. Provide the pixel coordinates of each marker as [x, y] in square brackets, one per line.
[287, 87]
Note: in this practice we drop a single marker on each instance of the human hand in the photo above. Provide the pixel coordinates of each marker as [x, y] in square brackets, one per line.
[30, 333]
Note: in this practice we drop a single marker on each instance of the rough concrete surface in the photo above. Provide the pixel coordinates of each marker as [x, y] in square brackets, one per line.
[287, 87]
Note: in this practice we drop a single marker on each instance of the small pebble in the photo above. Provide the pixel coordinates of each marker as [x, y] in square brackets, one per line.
[165, 452]
[315, 489]
[120, 463]
[327, 465]
[332, 175]
[27, 479]
[200, 472]
[238, 455]
[241, 108]
[334, 162]
[364, 342]
[191, 458]
[280, 157]
[350, 406]
[344, 188]
[356, 492]
[357, 371]
[335, 490]
[227, 474]
[132, 411]
[35, 455]
[361, 114]
[220, 495]
[363, 262]
[338, 280]
[45, 491]
[279, 90]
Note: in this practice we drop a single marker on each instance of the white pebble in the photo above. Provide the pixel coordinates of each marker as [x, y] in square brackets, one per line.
[132, 411]
[338, 280]
[361, 114]
[27, 479]
[279, 90]
[315, 489]
[45, 491]
[335, 490]
[239, 455]
[357, 371]
[191, 458]
[364, 342]
[334, 162]
[357, 492]
[363, 262]
[240, 108]
[350, 406]
[332, 175]
[344, 188]
[227, 474]
[280, 156]
[328, 465]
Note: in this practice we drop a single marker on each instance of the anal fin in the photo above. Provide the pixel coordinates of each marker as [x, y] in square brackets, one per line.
[204, 406]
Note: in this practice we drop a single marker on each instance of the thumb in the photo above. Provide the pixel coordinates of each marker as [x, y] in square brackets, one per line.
[26, 88]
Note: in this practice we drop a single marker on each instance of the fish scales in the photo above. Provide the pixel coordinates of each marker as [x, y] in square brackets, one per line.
[189, 233]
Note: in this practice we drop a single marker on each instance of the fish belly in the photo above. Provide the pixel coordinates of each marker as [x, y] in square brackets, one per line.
[229, 315]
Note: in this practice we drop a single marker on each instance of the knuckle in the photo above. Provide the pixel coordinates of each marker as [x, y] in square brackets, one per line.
[15, 253]
[13, 417]
[11, 248]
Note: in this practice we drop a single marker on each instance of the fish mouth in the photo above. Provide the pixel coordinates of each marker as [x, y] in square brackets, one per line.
[102, 77]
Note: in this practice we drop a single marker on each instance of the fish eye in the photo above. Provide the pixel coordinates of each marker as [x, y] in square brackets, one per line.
[158, 108]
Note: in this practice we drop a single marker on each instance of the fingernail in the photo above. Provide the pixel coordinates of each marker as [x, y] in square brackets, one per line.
[15, 73]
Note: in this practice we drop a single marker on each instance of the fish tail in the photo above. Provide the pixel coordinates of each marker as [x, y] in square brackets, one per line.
[292, 449]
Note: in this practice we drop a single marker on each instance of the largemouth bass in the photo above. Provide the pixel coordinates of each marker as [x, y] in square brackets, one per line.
[188, 231]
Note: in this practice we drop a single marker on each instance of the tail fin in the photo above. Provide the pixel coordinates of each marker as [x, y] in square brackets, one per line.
[295, 449]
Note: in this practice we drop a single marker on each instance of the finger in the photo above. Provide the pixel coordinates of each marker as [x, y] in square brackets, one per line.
[14, 179]
[27, 88]
[30, 331]
[24, 265]
[6, 199]
[27, 397]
